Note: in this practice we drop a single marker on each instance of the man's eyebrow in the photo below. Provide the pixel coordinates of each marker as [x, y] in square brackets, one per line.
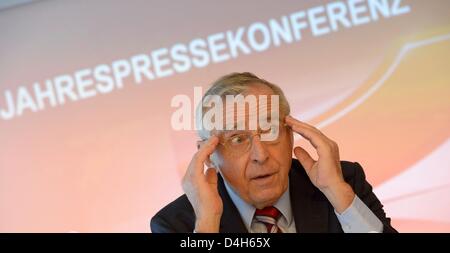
[229, 132]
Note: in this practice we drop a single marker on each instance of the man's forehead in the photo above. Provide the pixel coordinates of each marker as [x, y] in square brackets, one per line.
[251, 110]
[259, 112]
[249, 106]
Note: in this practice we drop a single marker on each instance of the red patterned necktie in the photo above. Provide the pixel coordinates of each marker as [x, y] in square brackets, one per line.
[269, 217]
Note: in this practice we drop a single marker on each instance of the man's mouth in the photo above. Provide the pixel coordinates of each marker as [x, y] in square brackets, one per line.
[264, 176]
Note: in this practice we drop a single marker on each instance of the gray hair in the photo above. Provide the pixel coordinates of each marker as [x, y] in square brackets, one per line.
[235, 84]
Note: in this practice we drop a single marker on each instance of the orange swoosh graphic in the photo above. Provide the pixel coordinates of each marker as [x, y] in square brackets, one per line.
[404, 119]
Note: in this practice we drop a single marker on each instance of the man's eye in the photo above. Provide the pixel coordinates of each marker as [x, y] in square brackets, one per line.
[238, 139]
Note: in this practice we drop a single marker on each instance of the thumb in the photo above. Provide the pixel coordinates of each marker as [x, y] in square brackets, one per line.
[304, 158]
[211, 176]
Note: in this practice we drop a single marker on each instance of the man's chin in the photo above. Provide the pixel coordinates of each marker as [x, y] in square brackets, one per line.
[267, 197]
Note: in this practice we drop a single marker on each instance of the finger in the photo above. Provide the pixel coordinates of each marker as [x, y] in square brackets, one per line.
[203, 153]
[312, 134]
[300, 124]
[211, 176]
[304, 158]
[292, 121]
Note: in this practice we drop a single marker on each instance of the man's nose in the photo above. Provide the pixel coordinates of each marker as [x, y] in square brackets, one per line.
[258, 151]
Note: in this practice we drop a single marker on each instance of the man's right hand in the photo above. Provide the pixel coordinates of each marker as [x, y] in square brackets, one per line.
[201, 189]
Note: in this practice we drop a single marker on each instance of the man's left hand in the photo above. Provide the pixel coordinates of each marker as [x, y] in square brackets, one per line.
[326, 172]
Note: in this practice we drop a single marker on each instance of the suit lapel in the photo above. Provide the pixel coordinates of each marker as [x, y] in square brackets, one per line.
[309, 205]
[231, 221]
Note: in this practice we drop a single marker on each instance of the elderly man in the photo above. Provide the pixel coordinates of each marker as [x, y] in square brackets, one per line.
[254, 185]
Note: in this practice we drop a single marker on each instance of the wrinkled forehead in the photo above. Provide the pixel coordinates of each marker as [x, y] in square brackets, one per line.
[243, 112]
[250, 111]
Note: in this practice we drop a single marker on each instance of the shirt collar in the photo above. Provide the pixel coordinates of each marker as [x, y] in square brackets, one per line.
[247, 211]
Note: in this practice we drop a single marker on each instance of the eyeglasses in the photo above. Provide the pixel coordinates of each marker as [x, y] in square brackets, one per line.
[240, 143]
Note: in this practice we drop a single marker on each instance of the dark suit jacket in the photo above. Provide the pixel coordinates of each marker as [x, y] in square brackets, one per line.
[311, 209]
